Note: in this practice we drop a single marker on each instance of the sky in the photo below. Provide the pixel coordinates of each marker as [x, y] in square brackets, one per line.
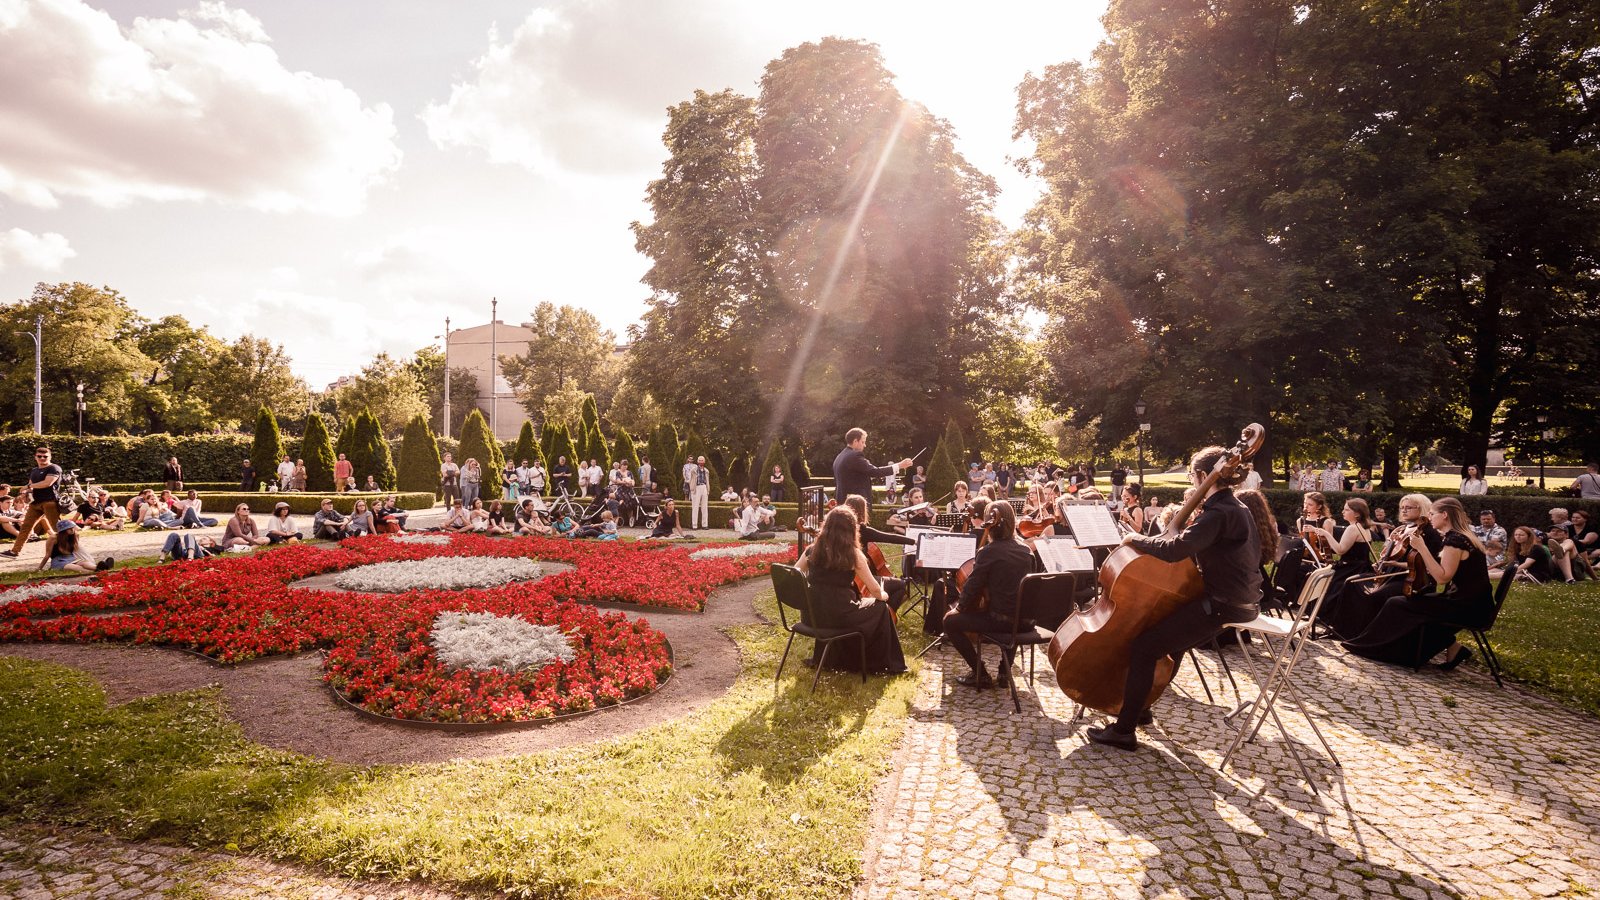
[341, 177]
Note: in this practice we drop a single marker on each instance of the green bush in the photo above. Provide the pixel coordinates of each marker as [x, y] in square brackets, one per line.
[479, 444]
[666, 457]
[129, 460]
[527, 447]
[419, 458]
[598, 449]
[267, 450]
[317, 450]
[369, 452]
[623, 449]
[221, 503]
[563, 447]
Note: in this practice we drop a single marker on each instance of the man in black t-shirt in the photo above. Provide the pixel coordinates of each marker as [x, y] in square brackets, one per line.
[42, 480]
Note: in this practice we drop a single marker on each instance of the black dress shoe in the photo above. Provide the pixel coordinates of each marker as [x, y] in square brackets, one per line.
[977, 679]
[1111, 737]
[1002, 678]
[1461, 656]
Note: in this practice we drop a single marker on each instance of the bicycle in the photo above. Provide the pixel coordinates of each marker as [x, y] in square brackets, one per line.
[562, 507]
[72, 491]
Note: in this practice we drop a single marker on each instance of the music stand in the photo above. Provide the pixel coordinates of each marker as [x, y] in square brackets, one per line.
[946, 551]
[950, 521]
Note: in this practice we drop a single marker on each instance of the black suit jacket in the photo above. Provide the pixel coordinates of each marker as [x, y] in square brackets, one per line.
[853, 474]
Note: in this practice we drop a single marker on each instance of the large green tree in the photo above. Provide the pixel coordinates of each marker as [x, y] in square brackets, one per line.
[317, 450]
[389, 390]
[569, 351]
[427, 367]
[418, 466]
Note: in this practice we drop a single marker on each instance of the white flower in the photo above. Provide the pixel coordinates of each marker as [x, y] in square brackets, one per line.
[440, 572]
[734, 551]
[487, 641]
[45, 591]
[420, 538]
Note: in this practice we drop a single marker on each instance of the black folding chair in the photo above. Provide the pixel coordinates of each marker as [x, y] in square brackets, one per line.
[1480, 633]
[1041, 597]
[795, 593]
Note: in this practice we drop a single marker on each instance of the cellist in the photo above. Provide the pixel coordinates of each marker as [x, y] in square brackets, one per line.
[1226, 547]
[997, 571]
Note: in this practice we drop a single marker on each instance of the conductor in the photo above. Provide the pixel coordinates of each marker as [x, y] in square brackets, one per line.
[853, 472]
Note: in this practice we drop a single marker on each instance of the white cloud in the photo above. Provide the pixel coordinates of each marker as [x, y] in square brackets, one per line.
[195, 108]
[34, 251]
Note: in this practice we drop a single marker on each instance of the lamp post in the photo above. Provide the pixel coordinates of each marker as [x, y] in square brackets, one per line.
[80, 408]
[494, 389]
[1544, 437]
[446, 422]
[38, 372]
[1138, 438]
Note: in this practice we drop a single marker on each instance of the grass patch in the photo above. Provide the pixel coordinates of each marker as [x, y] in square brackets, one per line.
[748, 798]
[19, 576]
[1548, 636]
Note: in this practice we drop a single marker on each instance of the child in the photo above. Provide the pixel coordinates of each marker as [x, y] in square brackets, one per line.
[608, 527]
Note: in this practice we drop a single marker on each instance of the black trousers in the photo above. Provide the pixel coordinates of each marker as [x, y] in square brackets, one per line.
[1190, 626]
[958, 627]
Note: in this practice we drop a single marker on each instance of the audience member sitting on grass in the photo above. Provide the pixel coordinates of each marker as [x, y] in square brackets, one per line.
[187, 546]
[608, 527]
[748, 523]
[457, 520]
[1587, 538]
[1558, 516]
[361, 521]
[564, 527]
[102, 512]
[387, 512]
[241, 533]
[372, 486]
[188, 509]
[11, 517]
[1563, 553]
[497, 519]
[63, 552]
[157, 512]
[1530, 560]
[477, 516]
[668, 528]
[329, 523]
[281, 527]
[1381, 526]
[528, 520]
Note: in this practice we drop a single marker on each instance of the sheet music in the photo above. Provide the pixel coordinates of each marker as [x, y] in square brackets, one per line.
[1092, 526]
[915, 532]
[1063, 555]
[943, 550]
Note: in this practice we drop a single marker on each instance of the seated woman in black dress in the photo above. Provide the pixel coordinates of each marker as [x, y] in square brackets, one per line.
[1355, 606]
[1530, 560]
[834, 564]
[1353, 543]
[1314, 524]
[1407, 622]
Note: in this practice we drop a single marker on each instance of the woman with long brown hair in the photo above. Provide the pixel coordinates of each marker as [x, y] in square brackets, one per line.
[1353, 543]
[1530, 560]
[835, 566]
[1410, 628]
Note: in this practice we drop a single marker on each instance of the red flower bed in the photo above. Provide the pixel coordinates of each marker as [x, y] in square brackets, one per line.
[236, 608]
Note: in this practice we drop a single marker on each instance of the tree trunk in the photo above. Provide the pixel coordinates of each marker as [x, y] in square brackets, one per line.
[1391, 467]
[1482, 396]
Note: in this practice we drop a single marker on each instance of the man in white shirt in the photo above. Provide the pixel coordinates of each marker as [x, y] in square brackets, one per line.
[596, 476]
[583, 479]
[285, 473]
[699, 478]
[1252, 480]
[1332, 478]
[524, 475]
[748, 524]
[687, 479]
[536, 478]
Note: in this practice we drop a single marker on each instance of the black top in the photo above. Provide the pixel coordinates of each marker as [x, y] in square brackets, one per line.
[666, 524]
[561, 475]
[1225, 545]
[1471, 585]
[1540, 554]
[40, 473]
[247, 478]
[998, 568]
[171, 472]
[853, 474]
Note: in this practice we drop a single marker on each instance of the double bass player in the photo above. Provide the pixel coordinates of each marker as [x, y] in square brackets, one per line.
[1226, 547]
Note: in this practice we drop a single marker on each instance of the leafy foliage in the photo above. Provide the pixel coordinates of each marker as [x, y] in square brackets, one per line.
[317, 450]
[267, 450]
[427, 367]
[389, 391]
[568, 353]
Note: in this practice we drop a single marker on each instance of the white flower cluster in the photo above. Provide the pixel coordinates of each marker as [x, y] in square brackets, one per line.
[440, 572]
[486, 641]
[433, 539]
[734, 551]
[45, 591]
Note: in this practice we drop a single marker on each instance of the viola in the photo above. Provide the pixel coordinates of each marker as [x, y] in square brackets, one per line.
[1031, 528]
[1090, 650]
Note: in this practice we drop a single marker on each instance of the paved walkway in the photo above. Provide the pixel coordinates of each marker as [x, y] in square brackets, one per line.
[1450, 787]
[37, 863]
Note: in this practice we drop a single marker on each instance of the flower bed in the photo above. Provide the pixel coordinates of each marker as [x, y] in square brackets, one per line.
[381, 655]
[441, 572]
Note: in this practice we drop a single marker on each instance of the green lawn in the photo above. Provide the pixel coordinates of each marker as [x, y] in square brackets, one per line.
[1548, 635]
[751, 797]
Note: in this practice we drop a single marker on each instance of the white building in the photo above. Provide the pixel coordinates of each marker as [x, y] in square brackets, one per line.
[478, 350]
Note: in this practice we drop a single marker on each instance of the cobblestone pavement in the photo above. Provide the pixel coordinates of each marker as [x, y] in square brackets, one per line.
[39, 863]
[1450, 787]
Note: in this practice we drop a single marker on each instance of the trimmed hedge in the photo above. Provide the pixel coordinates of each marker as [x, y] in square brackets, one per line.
[129, 460]
[219, 505]
[1508, 511]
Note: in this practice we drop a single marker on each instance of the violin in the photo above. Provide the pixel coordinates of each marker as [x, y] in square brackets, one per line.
[1318, 547]
[1032, 528]
[1090, 650]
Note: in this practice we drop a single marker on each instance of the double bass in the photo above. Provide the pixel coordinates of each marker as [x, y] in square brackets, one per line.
[1089, 652]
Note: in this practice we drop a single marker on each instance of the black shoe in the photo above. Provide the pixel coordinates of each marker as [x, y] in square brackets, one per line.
[1461, 656]
[1111, 737]
[976, 679]
[105, 564]
[8, 554]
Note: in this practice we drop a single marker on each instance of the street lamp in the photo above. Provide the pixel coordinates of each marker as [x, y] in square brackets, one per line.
[446, 336]
[1138, 438]
[80, 410]
[1544, 437]
[38, 372]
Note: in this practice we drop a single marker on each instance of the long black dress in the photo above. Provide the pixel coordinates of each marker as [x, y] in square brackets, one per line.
[1468, 599]
[1355, 606]
[833, 597]
[1296, 565]
[1355, 564]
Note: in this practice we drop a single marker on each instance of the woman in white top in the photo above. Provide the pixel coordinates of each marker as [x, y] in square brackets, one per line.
[1472, 484]
[280, 525]
[478, 516]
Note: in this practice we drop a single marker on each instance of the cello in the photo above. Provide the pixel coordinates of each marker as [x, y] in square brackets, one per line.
[1089, 652]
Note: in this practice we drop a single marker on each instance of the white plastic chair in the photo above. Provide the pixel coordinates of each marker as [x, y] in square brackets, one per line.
[1285, 640]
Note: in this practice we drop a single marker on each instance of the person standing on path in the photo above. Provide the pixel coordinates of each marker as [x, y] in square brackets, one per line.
[42, 480]
[700, 500]
[172, 474]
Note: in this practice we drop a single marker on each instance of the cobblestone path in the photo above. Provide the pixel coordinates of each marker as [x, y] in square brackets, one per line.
[36, 863]
[1450, 787]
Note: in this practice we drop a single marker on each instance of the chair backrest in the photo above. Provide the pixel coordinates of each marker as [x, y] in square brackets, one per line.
[1500, 591]
[1312, 595]
[1045, 597]
[790, 585]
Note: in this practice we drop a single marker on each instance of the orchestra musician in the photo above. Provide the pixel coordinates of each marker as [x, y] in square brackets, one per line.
[1226, 545]
[912, 515]
[1311, 532]
[1400, 572]
[865, 535]
[1133, 516]
[959, 500]
[853, 472]
[997, 573]
[834, 566]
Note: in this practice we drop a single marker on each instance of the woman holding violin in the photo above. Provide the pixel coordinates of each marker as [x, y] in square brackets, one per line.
[989, 598]
[1411, 627]
[1309, 550]
[1133, 517]
[1400, 571]
[1353, 544]
[836, 567]
[867, 538]
[1226, 547]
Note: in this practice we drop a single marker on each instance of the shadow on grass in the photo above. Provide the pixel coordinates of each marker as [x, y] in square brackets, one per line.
[783, 739]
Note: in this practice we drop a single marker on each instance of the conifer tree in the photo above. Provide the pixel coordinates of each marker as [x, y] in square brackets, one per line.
[267, 450]
[478, 443]
[527, 448]
[776, 457]
[623, 449]
[418, 468]
[598, 449]
[378, 455]
[317, 450]
[591, 413]
[547, 442]
[562, 447]
[346, 443]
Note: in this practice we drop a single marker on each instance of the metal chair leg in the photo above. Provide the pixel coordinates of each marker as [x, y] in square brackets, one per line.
[1006, 657]
[781, 661]
[861, 643]
[821, 661]
[1195, 658]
